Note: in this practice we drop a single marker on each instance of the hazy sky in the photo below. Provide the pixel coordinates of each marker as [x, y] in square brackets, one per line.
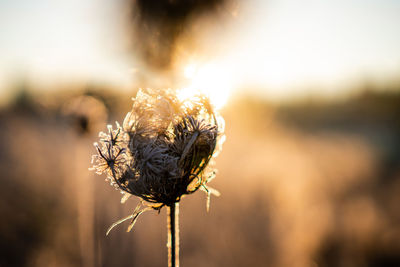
[311, 42]
[282, 46]
[61, 40]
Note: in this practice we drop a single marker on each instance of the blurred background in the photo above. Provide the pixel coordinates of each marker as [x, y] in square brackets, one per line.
[310, 90]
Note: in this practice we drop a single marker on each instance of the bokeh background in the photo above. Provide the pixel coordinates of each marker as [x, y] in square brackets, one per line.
[310, 90]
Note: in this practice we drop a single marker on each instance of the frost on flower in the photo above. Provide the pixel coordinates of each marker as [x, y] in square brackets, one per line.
[163, 149]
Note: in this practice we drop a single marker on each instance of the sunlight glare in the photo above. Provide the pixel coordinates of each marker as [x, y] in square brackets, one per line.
[210, 80]
[190, 71]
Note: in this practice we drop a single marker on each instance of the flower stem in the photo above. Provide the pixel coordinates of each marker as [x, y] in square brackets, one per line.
[173, 235]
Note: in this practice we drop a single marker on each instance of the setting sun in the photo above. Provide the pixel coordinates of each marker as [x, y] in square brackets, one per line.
[209, 79]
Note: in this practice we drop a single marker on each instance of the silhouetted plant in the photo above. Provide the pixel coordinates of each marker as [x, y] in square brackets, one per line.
[161, 153]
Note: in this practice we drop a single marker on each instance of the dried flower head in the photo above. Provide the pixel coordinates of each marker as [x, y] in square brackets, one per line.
[163, 149]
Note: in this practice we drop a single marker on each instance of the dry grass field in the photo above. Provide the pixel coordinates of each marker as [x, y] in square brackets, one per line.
[301, 185]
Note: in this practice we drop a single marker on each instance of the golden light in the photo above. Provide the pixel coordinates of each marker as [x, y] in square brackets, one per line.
[210, 80]
[190, 71]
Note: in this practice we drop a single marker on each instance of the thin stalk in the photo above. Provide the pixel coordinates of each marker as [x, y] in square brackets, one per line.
[173, 235]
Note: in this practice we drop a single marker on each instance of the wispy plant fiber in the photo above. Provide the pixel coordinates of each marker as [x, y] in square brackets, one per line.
[163, 149]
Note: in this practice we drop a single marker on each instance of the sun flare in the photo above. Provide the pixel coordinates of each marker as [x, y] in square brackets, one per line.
[210, 80]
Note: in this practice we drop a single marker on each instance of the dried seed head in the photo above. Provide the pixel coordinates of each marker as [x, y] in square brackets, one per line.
[163, 148]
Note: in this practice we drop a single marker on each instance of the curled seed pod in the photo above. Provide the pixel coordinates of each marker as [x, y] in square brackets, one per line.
[163, 149]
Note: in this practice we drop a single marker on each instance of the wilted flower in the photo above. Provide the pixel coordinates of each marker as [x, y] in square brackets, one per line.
[163, 149]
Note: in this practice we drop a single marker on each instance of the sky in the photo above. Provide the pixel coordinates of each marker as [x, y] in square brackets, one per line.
[65, 40]
[320, 43]
[280, 48]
